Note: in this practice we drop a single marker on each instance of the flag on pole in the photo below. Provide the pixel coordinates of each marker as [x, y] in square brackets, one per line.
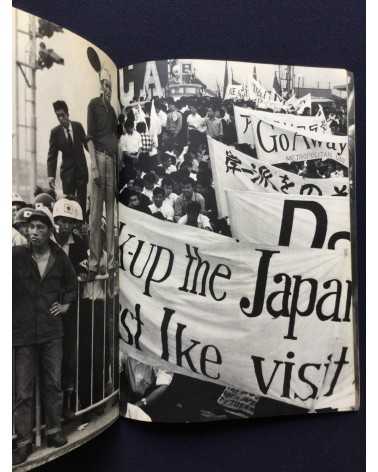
[233, 81]
[254, 73]
[155, 125]
[277, 85]
[225, 81]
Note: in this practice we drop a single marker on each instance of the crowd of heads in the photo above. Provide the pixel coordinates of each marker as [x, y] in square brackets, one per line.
[61, 217]
[177, 169]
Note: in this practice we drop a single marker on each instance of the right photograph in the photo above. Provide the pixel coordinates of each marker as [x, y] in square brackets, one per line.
[237, 240]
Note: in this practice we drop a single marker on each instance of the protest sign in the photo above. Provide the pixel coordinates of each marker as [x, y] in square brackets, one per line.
[289, 220]
[235, 170]
[237, 92]
[273, 322]
[244, 129]
[278, 143]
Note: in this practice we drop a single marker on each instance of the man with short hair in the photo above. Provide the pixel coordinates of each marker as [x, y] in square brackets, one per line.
[103, 147]
[70, 139]
[134, 202]
[193, 217]
[188, 195]
[213, 124]
[160, 207]
[174, 125]
[44, 286]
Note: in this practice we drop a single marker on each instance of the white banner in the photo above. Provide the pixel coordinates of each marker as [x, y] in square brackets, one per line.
[302, 103]
[244, 129]
[237, 92]
[278, 143]
[236, 171]
[289, 220]
[273, 322]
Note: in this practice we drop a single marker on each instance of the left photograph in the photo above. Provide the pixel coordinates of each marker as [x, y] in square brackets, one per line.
[65, 241]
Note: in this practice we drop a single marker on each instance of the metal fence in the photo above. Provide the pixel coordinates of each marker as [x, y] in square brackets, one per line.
[96, 348]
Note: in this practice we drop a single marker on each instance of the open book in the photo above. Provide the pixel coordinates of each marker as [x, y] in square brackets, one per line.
[182, 241]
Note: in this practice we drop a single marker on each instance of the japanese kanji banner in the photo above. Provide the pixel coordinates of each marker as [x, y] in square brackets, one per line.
[237, 92]
[204, 305]
[289, 220]
[244, 127]
[278, 143]
[235, 170]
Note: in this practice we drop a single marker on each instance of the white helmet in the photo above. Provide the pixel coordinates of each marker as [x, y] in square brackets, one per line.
[16, 198]
[68, 208]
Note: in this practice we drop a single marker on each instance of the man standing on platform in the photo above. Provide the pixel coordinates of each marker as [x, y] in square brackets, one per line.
[103, 147]
[69, 138]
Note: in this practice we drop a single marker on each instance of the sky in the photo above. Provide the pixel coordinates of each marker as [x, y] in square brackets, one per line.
[212, 71]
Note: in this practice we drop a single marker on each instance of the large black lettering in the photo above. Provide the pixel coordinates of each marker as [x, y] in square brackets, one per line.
[259, 295]
[257, 364]
[180, 353]
[151, 273]
[260, 140]
[288, 219]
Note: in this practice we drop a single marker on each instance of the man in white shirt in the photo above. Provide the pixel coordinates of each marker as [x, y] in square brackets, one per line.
[159, 205]
[196, 128]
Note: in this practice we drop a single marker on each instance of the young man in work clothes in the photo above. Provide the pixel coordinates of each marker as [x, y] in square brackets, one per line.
[44, 286]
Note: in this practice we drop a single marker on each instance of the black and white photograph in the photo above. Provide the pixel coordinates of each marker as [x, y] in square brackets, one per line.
[236, 288]
[65, 241]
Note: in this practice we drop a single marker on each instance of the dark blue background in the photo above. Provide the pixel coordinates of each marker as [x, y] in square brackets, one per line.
[301, 32]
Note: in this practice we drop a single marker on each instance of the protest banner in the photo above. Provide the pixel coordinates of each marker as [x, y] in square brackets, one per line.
[235, 170]
[243, 122]
[273, 322]
[237, 92]
[302, 103]
[278, 143]
[289, 220]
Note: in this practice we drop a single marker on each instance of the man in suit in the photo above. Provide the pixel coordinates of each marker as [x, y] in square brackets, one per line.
[70, 139]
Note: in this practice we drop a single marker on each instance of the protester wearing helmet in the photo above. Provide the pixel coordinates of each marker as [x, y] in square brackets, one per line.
[67, 215]
[17, 203]
[21, 221]
[44, 286]
[44, 200]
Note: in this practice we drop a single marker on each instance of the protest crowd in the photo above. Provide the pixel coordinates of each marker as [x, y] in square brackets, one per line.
[165, 171]
[165, 168]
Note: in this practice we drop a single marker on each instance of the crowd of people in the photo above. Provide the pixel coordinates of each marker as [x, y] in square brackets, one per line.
[168, 174]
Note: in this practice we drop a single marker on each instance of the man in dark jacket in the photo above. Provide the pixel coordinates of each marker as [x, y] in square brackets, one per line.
[67, 215]
[44, 286]
[68, 137]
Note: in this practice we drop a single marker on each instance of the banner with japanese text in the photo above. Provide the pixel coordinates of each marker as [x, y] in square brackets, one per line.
[289, 220]
[235, 170]
[270, 321]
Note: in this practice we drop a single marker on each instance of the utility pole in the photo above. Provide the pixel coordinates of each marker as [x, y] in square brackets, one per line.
[36, 60]
[33, 99]
[30, 81]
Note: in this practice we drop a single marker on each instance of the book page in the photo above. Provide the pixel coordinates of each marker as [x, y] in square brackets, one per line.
[236, 287]
[65, 243]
